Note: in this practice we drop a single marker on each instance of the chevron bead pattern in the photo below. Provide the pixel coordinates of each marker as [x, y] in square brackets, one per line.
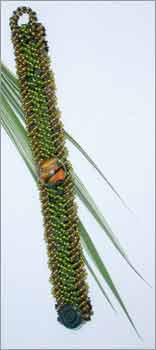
[55, 181]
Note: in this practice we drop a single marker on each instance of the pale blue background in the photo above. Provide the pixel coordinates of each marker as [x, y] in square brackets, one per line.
[103, 57]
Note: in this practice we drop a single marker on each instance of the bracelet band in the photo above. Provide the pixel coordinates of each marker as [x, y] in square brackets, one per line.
[55, 181]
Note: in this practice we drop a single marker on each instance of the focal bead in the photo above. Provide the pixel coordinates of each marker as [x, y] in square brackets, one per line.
[52, 172]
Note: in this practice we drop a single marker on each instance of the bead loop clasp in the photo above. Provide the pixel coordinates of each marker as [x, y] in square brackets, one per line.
[32, 17]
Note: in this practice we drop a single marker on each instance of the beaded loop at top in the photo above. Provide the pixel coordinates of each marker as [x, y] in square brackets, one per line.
[19, 12]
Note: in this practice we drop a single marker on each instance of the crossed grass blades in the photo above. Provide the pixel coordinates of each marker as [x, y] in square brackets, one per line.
[14, 124]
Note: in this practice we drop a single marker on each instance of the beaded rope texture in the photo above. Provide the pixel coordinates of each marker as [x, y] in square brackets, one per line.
[55, 182]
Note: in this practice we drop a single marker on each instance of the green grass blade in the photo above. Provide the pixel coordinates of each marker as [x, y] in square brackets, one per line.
[12, 101]
[85, 154]
[15, 142]
[18, 134]
[89, 203]
[18, 137]
[15, 123]
[19, 131]
[104, 272]
[10, 75]
[84, 195]
[11, 86]
[94, 275]
[12, 79]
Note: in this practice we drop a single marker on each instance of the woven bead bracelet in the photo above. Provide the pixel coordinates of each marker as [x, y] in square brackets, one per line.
[55, 181]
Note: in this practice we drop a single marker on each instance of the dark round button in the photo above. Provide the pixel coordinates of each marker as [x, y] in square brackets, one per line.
[69, 316]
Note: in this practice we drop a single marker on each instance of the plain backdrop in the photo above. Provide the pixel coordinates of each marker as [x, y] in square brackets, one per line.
[103, 57]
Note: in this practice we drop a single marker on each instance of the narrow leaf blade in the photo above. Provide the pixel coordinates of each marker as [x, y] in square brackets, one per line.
[104, 272]
[16, 135]
[14, 83]
[86, 198]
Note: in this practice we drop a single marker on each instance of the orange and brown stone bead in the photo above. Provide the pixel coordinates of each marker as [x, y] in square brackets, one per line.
[51, 172]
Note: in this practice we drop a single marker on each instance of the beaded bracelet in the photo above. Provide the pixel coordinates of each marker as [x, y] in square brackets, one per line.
[55, 181]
